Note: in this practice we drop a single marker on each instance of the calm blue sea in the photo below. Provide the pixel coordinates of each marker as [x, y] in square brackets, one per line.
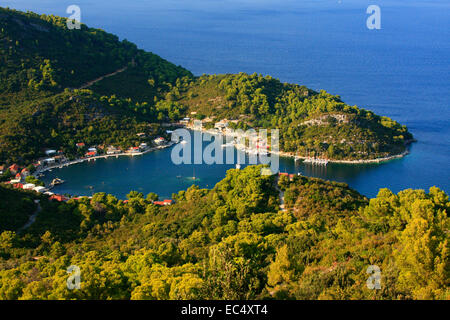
[402, 71]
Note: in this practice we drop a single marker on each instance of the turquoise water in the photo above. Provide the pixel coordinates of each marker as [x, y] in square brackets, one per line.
[401, 71]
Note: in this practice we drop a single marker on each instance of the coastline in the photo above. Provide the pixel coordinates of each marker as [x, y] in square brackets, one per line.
[362, 161]
[104, 156]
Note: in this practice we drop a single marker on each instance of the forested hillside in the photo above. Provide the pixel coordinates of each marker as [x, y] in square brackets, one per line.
[42, 62]
[233, 242]
[310, 123]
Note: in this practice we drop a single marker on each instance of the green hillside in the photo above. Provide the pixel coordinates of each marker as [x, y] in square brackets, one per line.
[310, 123]
[233, 242]
[42, 64]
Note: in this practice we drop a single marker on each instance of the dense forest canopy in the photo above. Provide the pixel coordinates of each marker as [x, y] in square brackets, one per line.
[233, 242]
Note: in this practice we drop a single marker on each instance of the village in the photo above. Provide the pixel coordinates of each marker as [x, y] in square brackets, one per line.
[27, 178]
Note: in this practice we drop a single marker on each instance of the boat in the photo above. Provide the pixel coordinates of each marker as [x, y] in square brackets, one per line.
[57, 181]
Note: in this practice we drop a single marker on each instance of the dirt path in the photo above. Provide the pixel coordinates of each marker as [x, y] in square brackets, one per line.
[90, 83]
[32, 218]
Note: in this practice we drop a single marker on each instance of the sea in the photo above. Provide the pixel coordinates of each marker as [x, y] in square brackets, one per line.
[400, 69]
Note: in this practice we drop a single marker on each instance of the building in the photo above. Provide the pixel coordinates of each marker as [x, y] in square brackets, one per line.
[92, 149]
[166, 202]
[141, 135]
[18, 176]
[80, 145]
[1, 169]
[49, 161]
[40, 189]
[159, 141]
[58, 197]
[112, 150]
[28, 186]
[14, 169]
[134, 150]
[50, 152]
[91, 154]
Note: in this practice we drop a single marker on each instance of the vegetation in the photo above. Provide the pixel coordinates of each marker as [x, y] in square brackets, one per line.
[232, 242]
[41, 65]
[310, 123]
[15, 208]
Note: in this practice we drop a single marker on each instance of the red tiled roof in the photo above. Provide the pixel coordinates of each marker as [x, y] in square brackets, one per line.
[18, 186]
[284, 174]
[14, 167]
[58, 197]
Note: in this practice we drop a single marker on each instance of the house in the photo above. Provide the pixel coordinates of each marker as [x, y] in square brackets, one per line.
[60, 158]
[166, 202]
[159, 141]
[141, 135]
[134, 150]
[18, 176]
[49, 161]
[40, 189]
[28, 186]
[112, 150]
[91, 154]
[58, 197]
[17, 185]
[92, 149]
[1, 169]
[285, 174]
[14, 168]
[143, 145]
[50, 152]
[80, 145]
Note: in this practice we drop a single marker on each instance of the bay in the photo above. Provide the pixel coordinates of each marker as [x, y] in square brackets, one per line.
[401, 71]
